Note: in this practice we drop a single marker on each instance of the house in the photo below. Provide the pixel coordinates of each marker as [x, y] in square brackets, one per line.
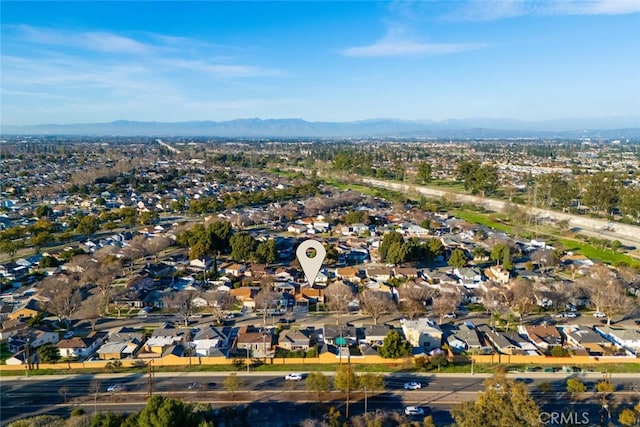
[36, 337]
[499, 341]
[233, 269]
[379, 274]
[123, 343]
[245, 295]
[211, 341]
[465, 338]
[469, 277]
[200, 265]
[11, 327]
[31, 308]
[374, 334]
[628, 339]
[297, 339]
[313, 295]
[587, 339]
[543, 336]
[351, 274]
[252, 341]
[297, 228]
[339, 334]
[497, 274]
[161, 339]
[405, 272]
[422, 332]
[81, 347]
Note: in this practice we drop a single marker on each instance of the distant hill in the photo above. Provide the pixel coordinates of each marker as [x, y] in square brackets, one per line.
[609, 128]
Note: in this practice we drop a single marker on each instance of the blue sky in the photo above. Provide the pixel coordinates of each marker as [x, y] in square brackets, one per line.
[85, 61]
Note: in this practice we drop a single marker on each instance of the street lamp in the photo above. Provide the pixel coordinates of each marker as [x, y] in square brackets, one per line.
[365, 399]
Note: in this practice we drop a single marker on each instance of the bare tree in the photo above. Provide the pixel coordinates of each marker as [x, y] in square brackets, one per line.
[64, 392]
[445, 303]
[136, 249]
[91, 309]
[495, 302]
[413, 299]
[157, 244]
[376, 303]
[94, 388]
[606, 291]
[338, 296]
[546, 259]
[220, 302]
[182, 303]
[62, 295]
[524, 298]
[267, 299]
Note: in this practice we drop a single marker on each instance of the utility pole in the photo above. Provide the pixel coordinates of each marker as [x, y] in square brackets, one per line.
[365, 399]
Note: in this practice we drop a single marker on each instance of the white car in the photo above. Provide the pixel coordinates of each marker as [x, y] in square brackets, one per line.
[412, 386]
[413, 410]
[599, 314]
[116, 387]
[450, 316]
[570, 314]
[293, 377]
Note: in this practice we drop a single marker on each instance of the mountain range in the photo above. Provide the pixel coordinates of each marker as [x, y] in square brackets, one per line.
[619, 127]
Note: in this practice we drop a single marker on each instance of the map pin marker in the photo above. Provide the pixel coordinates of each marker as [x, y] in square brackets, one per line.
[311, 266]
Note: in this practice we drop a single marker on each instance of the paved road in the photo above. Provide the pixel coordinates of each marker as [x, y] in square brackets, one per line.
[45, 394]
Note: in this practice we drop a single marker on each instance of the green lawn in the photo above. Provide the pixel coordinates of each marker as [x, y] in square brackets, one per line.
[4, 352]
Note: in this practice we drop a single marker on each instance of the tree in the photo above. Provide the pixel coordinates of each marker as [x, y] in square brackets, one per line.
[48, 353]
[372, 382]
[545, 258]
[605, 386]
[266, 300]
[574, 386]
[501, 253]
[423, 175]
[62, 295]
[458, 258]
[232, 383]
[503, 402]
[182, 303]
[266, 252]
[162, 411]
[220, 302]
[376, 304]
[243, 246]
[390, 239]
[628, 417]
[413, 299]
[602, 192]
[345, 379]
[88, 225]
[524, 298]
[318, 382]
[606, 291]
[478, 178]
[338, 297]
[445, 303]
[394, 346]
[155, 245]
[439, 360]
[91, 309]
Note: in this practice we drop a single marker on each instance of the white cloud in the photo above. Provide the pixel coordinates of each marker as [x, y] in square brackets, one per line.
[90, 40]
[493, 10]
[408, 48]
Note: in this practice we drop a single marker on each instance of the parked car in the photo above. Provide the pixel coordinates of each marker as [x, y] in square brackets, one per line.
[412, 386]
[599, 314]
[450, 316]
[413, 410]
[293, 377]
[116, 387]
